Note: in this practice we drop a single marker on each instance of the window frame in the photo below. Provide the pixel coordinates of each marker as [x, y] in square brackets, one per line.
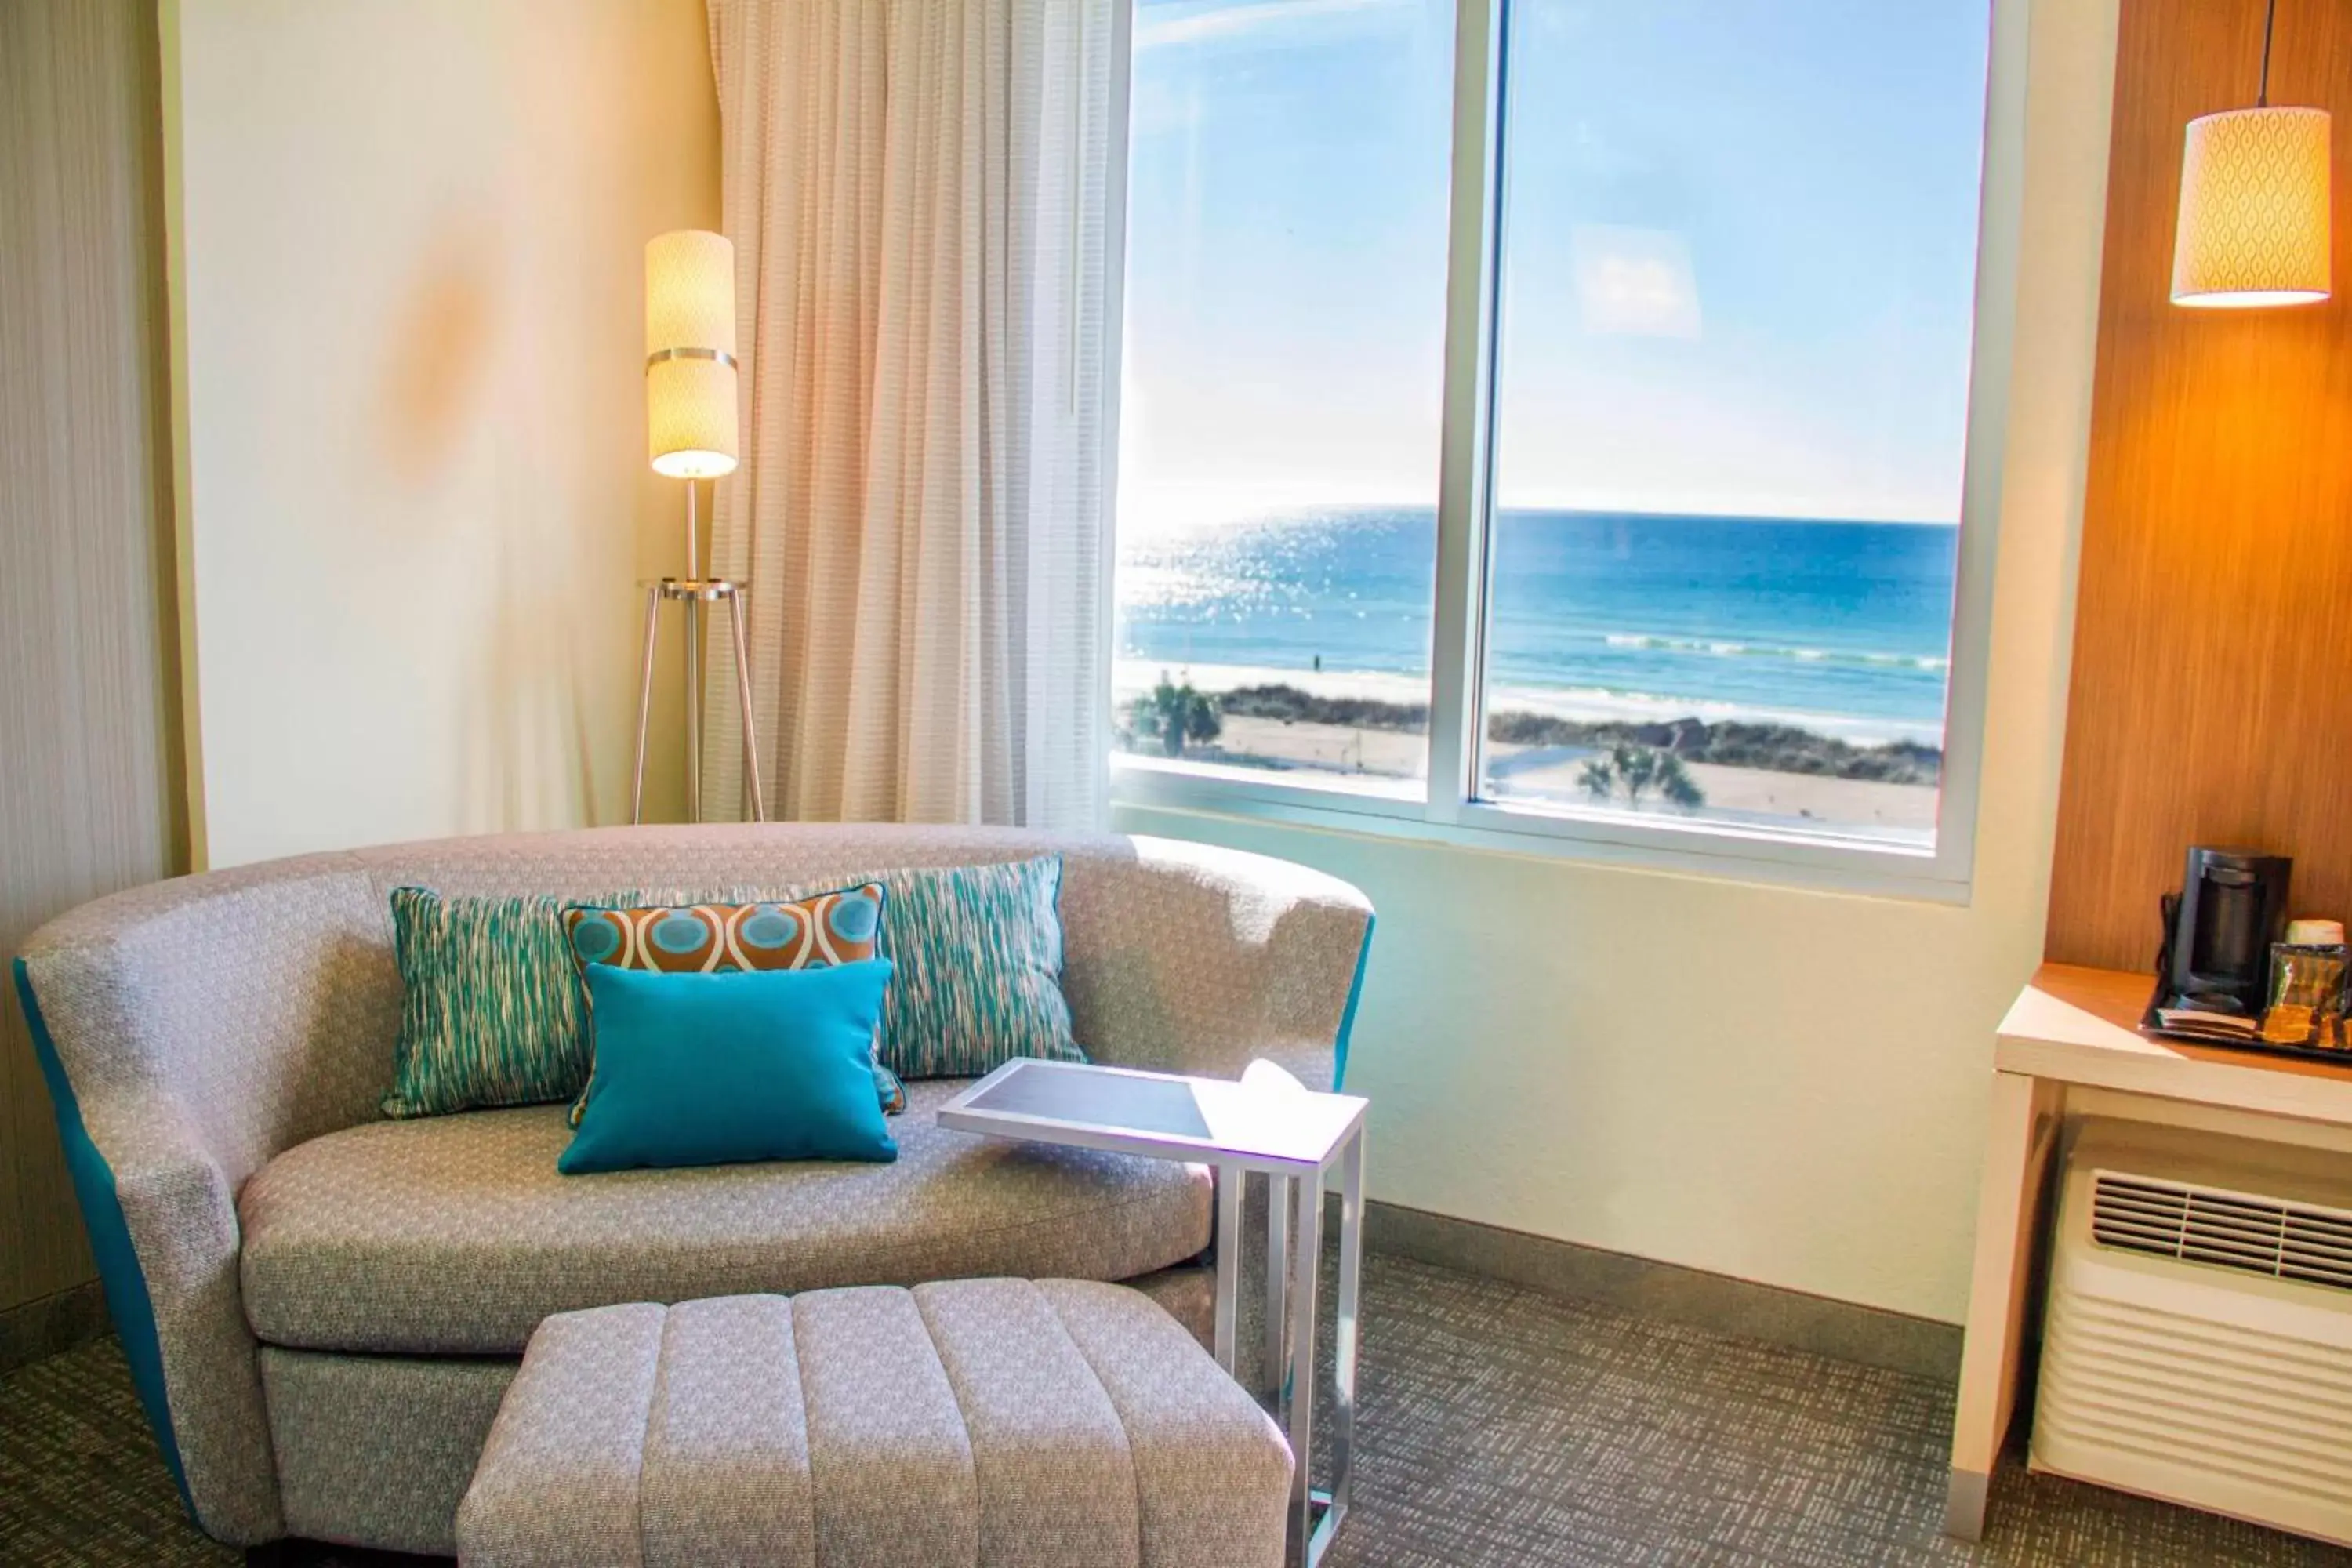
[1448, 810]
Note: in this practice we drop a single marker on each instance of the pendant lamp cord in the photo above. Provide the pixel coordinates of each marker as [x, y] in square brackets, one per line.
[2270, 21]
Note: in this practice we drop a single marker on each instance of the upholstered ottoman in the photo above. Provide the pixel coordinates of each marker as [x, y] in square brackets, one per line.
[972, 1423]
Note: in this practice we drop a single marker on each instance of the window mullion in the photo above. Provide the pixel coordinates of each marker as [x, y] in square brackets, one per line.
[1459, 616]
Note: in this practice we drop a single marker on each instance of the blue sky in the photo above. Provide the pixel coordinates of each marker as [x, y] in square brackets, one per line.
[1738, 260]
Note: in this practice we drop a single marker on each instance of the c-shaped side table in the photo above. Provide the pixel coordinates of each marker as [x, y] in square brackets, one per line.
[1266, 1123]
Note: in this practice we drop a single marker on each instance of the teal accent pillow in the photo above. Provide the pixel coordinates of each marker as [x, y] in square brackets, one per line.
[840, 925]
[491, 1014]
[979, 956]
[711, 1070]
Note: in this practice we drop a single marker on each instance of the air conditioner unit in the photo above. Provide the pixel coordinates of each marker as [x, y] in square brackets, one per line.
[2197, 1345]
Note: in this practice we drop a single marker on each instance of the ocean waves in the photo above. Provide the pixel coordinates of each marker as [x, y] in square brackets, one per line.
[1656, 643]
[1847, 623]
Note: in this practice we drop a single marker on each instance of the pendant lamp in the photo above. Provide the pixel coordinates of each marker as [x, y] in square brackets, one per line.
[2253, 227]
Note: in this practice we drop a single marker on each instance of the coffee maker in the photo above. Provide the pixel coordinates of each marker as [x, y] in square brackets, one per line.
[2219, 930]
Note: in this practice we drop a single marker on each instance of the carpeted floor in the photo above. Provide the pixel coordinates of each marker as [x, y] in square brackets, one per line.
[1498, 1426]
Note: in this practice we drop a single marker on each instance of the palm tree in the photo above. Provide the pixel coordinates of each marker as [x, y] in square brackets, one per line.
[1173, 714]
[1635, 770]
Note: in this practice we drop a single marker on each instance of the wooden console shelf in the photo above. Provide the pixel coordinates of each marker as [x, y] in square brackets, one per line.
[2078, 1028]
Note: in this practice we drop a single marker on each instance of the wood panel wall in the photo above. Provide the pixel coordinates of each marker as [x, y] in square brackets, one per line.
[87, 691]
[2212, 676]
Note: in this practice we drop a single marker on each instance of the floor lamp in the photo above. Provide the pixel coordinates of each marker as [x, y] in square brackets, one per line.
[690, 425]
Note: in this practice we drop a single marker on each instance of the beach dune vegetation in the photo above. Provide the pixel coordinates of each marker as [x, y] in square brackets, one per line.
[1173, 715]
[1634, 772]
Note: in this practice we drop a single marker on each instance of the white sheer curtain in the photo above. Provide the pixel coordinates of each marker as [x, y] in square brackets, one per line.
[918, 193]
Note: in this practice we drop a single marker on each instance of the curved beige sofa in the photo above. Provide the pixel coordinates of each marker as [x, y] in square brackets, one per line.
[322, 1309]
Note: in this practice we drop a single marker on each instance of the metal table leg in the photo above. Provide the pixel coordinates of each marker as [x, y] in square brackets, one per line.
[1299, 1382]
[1279, 1195]
[1344, 1345]
[1316, 1513]
[1229, 1179]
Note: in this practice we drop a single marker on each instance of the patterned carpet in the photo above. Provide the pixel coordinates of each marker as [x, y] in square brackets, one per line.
[1498, 1426]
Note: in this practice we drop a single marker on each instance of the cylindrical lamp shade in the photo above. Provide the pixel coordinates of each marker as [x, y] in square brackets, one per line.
[2254, 226]
[690, 354]
[690, 417]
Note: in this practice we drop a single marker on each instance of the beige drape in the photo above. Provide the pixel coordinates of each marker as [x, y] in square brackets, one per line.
[918, 193]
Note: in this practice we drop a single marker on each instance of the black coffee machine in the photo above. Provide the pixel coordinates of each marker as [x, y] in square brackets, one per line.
[2219, 930]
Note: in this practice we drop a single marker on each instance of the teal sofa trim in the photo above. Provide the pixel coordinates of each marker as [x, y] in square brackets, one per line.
[127, 1299]
[1348, 1016]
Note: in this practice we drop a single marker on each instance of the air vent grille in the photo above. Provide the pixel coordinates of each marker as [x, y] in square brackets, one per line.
[2226, 1229]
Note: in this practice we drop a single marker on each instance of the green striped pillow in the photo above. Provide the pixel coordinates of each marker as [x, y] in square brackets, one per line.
[492, 1013]
[977, 981]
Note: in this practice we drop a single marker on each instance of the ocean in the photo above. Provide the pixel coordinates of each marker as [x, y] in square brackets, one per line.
[1843, 627]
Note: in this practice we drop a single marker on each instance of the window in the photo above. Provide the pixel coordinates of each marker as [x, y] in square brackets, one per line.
[1283, 368]
[1690, 578]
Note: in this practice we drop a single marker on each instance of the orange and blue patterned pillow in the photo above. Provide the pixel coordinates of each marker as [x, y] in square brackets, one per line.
[839, 926]
[842, 926]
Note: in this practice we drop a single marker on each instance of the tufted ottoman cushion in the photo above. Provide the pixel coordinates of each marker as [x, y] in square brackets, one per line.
[960, 1425]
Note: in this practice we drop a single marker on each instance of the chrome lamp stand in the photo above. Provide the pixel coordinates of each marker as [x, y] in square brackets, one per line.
[693, 593]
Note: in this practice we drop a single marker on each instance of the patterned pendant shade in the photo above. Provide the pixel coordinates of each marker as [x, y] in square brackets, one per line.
[2254, 226]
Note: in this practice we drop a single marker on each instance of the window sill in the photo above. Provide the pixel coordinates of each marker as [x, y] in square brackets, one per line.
[1823, 862]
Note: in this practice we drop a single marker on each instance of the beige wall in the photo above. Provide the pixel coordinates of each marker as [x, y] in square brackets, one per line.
[85, 709]
[410, 351]
[1783, 1085]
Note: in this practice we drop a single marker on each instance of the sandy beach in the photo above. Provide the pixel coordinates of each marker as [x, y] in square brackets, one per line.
[1547, 773]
